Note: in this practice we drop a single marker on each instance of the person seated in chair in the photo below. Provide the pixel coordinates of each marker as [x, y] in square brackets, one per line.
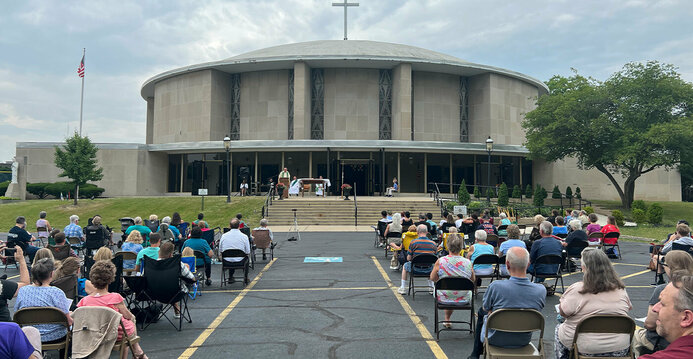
[18, 236]
[42, 222]
[422, 221]
[487, 226]
[197, 243]
[576, 235]
[433, 224]
[456, 266]
[394, 188]
[102, 236]
[188, 277]
[152, 251]
[681, 237]
[244, 188]
[101, 275]
[200, 222]
[516, 293]
[234, 239]
[263, 227]
[544, 246]
[504, 222]
[560, 227]
[513, 241]
[73, 230]
[478, 248]
[420, 245]
[61, 250]
[144, 230]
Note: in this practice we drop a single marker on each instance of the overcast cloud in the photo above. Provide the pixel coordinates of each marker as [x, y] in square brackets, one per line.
[129, 41]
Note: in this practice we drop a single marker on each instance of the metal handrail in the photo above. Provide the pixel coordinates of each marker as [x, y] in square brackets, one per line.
[356, 208]
[268, 202]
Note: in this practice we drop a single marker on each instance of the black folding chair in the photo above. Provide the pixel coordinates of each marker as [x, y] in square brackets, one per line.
[458, 285]
[611, 241]
[574, 251]
[420, 263]
[200, 270]
[491, 259]
[163, 285]
[549, 259]
[391, 235]
[242, 264]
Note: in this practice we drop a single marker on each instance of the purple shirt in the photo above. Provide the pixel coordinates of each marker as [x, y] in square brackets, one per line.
[593, 227]
[13, 342]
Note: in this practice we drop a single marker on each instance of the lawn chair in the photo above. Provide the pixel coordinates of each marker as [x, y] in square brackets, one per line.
[9, 256]
[163, 285]
[419, 266]
[454, 284]
[262, 240]
[199, 270]
[43, 239]
[76, 244]
[603, 324]
[191, 262]
[45, 315]
[515, 321]
[68, 285]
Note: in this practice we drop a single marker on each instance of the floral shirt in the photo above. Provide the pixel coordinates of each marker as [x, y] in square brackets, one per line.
[454, 266]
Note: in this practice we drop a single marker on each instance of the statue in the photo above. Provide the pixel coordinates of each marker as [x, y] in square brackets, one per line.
[15, 168]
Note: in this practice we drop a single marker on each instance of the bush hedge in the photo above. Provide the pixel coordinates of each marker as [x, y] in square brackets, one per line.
[589, 210]
[618, 215]
[639, 216]
[3, 187]
[529, 191]
[517, 193]
[655, 213]
[639, 204]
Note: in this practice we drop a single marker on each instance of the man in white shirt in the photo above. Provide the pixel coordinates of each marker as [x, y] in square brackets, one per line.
[458, 221]
[234, 239]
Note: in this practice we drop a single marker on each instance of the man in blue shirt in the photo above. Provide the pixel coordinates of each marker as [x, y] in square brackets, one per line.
[515, 293]
[73, 230]
[421, 245]
[18, 236]
[546, 245]
[196, 243]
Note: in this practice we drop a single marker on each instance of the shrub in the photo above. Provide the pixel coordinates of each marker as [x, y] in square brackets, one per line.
[490, 193]
[503, 195]
[639, 216]
[477, 193]
[37, 189]
[517, 193]
[556, 193]
[539, 196]
[620, 220]
[639, 204]
[474, 205]
[463, 195]
[90, 190]
[3, 187]
[578, 193]
[655, 213]
[589, 210]
[568, 193]
[529, 191]
[450, 205]
[55, 189]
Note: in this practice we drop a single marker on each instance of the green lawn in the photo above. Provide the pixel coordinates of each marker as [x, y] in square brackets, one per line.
[673, 211]
[217, 211]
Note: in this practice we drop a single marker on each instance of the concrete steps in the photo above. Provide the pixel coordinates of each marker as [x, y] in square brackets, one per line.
[334, 211]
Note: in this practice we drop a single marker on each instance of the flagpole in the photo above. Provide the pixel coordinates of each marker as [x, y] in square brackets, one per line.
[81, 103]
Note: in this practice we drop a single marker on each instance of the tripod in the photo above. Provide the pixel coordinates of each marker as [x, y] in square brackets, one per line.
[293, 230]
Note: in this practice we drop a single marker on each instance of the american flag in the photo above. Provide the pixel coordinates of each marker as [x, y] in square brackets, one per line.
[80, 69]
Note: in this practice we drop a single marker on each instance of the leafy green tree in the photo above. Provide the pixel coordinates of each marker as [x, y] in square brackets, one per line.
[578, 193]
[539, 196]
[503, 195]
[655, 213]
[529, 191]
[490, 193]
[463, 195]
[477, 193]
[618, 216]
[77, 159]
[517, 193]
[556, 193]
[626, 122]
[568, 193]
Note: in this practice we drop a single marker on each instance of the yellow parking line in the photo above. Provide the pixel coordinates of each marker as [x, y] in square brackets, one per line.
[630, 264]
[293, 289]
[220, 318]
[432, 344]
[637, 273]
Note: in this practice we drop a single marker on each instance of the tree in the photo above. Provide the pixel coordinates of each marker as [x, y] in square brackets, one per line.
[539, 196]
[517, 193]
[463, 195]
[556, 193]
[477, 193]
[503, 195]
[77, 159]
[625, 123]
[529, 191]
[568, 193]
[578, 193]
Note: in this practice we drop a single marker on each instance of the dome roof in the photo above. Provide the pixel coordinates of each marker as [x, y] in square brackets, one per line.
[342, 54]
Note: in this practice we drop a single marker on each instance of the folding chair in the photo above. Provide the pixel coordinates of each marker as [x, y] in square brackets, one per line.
[458, 285]
[387, 245]
[562, 235]
[9, 256]
[515, 321]
[491, 259]
[262, 240]
[243, 264]
[68, 285]
[94, 240]
[422, 262]
[76, 244]
[576, 247]
[163, 285]
[595, 239]
[117, 285]
[377, 236]
[550, 259]
[200, 274]
[42, 239]
[125, 255]
[191, 262]
[499, 273]
[492, 239]
[86, 331]
[251, 256]
[45, 315]
[603, 324]
[611, 241]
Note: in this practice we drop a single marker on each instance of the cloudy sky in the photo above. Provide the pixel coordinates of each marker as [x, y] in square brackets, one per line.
[127, 42]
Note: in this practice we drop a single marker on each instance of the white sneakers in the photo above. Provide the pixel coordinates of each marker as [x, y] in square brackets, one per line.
[402, 290]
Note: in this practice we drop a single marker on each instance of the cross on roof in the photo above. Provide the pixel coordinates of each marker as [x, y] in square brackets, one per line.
[345, 4]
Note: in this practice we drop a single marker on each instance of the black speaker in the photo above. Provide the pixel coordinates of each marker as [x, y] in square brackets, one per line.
[244, 172]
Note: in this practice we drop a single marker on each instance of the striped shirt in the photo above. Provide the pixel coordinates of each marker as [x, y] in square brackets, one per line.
[422, 245]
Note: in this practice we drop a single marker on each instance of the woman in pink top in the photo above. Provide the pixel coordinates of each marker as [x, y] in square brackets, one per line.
[101, 275]
[593, 226]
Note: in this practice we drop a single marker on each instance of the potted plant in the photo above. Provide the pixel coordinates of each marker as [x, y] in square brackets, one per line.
[280, 189]
[346, 190]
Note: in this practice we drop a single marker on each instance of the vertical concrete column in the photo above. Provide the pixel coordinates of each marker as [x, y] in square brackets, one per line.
[150, 121]
[401, 102]
[301, 101]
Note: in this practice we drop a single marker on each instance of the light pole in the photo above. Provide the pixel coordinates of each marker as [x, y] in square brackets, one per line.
[489, 149]
[227, 146]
